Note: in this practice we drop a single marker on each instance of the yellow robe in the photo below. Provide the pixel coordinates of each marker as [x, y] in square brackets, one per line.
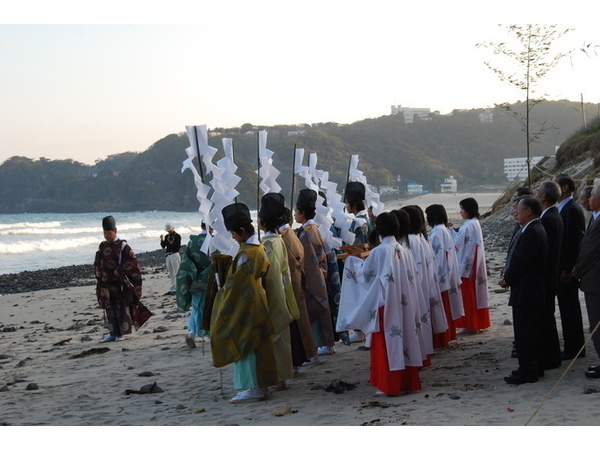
[240, 319]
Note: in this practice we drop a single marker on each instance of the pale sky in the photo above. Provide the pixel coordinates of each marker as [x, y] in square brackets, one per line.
[138, 71]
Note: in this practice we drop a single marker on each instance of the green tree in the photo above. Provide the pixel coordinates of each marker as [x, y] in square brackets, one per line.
[532, 49]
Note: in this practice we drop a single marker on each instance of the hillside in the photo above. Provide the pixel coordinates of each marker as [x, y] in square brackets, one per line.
[425, 151]
[578, 156]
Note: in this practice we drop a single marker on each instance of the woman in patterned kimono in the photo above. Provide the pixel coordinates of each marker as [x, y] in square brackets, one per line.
[315, 272]
[283, 308]
[241, 328]
[446, 263]
[471, 267]
[379, 297]
[425, 259]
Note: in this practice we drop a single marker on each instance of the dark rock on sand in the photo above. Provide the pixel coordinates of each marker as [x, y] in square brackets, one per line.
[68, 276]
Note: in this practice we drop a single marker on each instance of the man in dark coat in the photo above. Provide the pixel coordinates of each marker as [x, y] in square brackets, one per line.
[549, 193]
[587, 270]
[525, 275]
[567, 288]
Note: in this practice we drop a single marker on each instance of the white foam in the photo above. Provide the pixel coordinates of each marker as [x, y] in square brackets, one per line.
[45, 245]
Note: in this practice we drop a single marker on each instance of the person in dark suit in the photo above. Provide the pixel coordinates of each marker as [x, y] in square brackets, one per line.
[513, 240]
[584, 198]
[548, 194]
[526, 277]
[567, 288]
[587, 270]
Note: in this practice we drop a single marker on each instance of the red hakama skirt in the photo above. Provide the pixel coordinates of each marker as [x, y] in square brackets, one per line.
[392, 382]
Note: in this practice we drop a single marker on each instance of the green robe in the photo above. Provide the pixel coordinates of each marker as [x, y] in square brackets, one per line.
[192, 279]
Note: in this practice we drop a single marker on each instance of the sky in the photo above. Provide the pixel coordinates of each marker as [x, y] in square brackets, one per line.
[84, 84]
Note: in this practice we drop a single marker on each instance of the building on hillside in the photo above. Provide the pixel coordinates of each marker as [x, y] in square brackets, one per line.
[450, 185]
[517, 167]
[388, 190]
[410, 113]
[414, 189]
[487, 116]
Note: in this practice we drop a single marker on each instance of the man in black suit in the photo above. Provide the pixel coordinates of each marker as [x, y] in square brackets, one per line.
[567, 288]
[525, 275]
[584, 198]
[548, 194]
[587, 270]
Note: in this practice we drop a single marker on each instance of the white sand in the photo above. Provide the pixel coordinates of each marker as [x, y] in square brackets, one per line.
[463, 386]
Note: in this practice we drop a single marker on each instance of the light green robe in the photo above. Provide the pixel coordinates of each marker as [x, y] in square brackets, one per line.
[283, 308]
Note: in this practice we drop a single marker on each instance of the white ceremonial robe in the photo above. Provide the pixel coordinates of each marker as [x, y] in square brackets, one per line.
[385, 278]
[417, 255]
[448, 277]
[467, 240]
[439, 322]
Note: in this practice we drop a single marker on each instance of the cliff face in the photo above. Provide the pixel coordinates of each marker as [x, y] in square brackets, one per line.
[578, 156]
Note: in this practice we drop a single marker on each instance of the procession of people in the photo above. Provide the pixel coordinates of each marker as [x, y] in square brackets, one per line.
[267, 307]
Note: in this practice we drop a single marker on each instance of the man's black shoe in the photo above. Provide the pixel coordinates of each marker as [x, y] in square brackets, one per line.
[519, 379]
[592, 374]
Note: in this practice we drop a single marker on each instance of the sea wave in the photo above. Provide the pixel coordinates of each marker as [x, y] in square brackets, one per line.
[63, 230]
[8, 226]
[46, 245]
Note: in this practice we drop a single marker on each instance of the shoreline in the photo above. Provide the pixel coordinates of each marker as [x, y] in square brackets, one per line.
[83, 274]
[68, 276]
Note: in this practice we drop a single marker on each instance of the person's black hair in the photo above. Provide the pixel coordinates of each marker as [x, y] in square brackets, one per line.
[470, 206]
[417, 225]
[246, 229]
[271, 223]
[309, 213]
[565, 180]
[387, 225]
[373, 238]
[403, 226]
[523, 190]
[436, 215]
[359, 205]
[286, 217]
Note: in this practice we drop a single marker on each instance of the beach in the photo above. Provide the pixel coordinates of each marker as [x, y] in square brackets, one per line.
[55, 372]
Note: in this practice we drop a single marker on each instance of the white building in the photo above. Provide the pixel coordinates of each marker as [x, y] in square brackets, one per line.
[517, 167]
[414, 189]
[410, 113]
[449, 185]
[487, 116]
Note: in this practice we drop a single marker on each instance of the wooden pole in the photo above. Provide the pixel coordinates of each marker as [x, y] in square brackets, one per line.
[258, 180]
[198, 151]
[347, 179]
[233, 161]
[583, 112]
[293, 179]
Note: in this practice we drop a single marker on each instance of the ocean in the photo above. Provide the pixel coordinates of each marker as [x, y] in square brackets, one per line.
[45, 241]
